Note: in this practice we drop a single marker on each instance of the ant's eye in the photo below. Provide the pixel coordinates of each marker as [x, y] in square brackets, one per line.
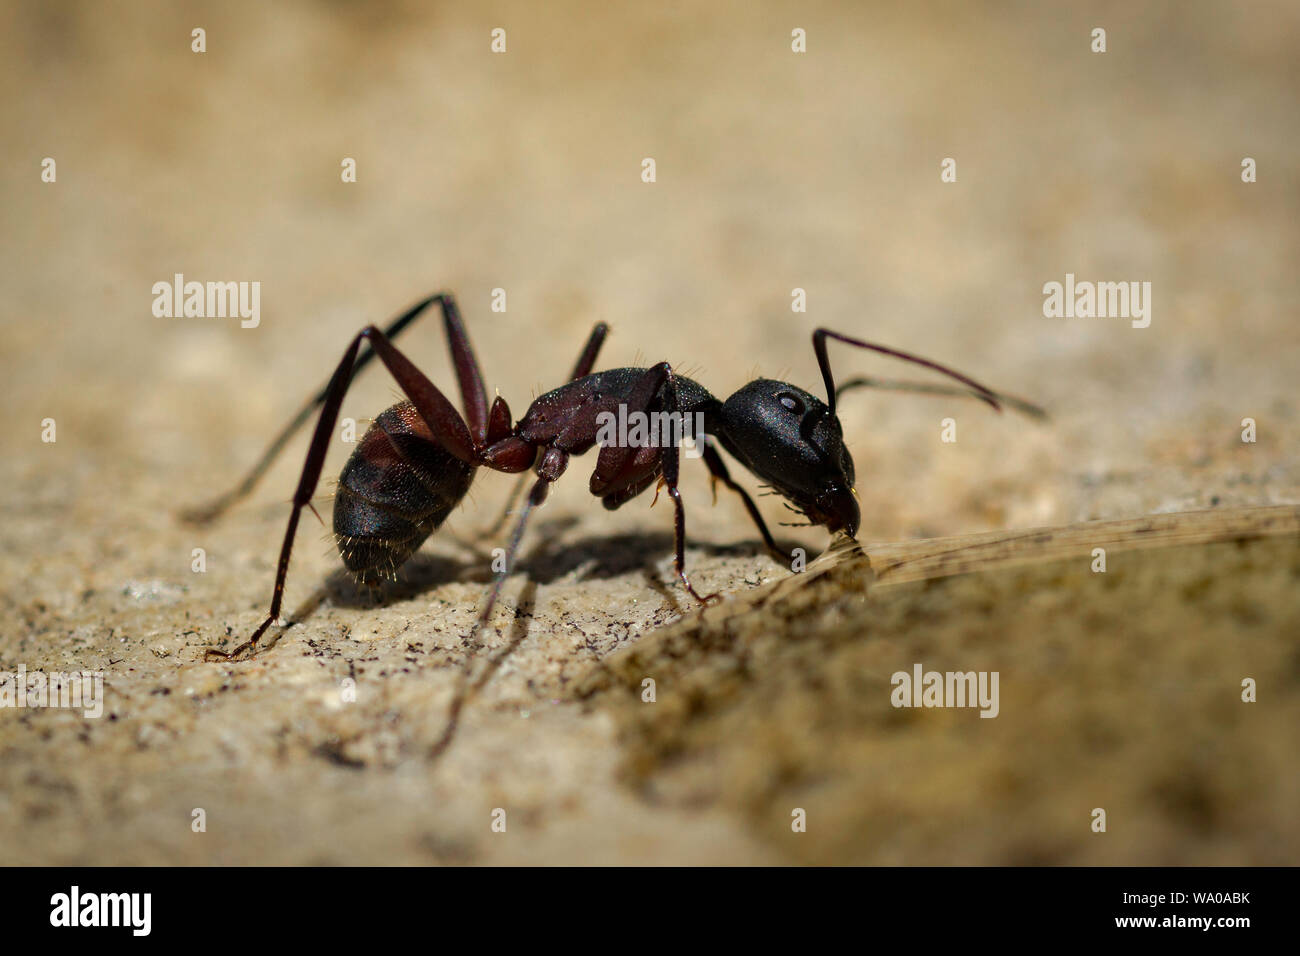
[790, 403]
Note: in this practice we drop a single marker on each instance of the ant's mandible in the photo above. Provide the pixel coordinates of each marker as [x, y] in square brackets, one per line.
[418, 459]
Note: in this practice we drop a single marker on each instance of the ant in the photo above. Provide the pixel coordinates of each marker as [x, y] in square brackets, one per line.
[418, 459]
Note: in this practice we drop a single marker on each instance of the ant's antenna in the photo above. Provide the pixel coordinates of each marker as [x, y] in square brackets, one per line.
[935, 388]
[819, 346]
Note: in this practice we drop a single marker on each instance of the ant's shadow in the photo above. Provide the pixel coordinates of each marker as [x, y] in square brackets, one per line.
[595, 557]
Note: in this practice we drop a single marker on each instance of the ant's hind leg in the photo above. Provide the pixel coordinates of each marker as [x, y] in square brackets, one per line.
[473, 394]
[438, 413]
[205, 514]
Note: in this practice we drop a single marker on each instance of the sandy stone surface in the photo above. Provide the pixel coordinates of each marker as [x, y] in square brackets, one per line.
[775, 171]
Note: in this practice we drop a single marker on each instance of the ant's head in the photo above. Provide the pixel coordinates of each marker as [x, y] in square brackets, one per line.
[793, 442]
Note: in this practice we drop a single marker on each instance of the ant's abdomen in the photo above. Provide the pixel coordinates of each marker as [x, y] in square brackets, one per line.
[398, 487]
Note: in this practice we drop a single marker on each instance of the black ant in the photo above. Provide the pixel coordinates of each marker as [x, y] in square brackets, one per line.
[418, 459]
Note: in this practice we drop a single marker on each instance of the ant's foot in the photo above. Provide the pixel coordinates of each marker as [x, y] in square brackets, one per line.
[243, 650]
[212, 654]
[707, 600]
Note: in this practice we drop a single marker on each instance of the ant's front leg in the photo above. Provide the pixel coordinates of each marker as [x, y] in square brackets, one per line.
[466, 369]
[718, 469]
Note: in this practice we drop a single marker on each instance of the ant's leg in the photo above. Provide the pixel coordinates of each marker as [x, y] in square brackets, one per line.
[587, 360]
[473, 394]
[583, 368]
[719, 472]
[671, 458]
[438, 413]
[509, 509]
[214, 509]
[552, 465]
[613, 459]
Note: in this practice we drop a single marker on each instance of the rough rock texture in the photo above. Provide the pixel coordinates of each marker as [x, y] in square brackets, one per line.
[775, 171]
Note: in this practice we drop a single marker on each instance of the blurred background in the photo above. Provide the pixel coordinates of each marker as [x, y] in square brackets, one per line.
[522, 171]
